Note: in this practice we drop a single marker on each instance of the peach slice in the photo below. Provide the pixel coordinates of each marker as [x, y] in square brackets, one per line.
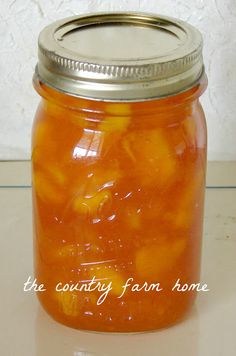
[153, 159]
[105, 275]
[46, 189]
[117, 118]
[154, 260]
[68, 303]
[91, 205]
[183, 213]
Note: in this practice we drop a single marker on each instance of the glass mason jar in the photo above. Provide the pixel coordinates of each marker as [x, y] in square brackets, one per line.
[118, 170]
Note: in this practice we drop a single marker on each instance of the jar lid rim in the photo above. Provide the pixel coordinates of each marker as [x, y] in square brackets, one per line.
[91, 56]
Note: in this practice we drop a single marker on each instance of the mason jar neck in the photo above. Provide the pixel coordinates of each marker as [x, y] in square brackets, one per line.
[167, 105]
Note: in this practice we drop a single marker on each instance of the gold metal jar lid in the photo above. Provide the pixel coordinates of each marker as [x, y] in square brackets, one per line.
[120, 56]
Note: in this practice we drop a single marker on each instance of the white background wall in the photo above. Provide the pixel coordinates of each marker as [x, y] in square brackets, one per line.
[21, 21]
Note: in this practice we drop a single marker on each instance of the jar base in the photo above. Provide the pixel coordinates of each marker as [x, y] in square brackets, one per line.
[102, 326]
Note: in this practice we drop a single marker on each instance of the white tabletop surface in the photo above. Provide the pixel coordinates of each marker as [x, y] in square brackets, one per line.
[26, 330]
